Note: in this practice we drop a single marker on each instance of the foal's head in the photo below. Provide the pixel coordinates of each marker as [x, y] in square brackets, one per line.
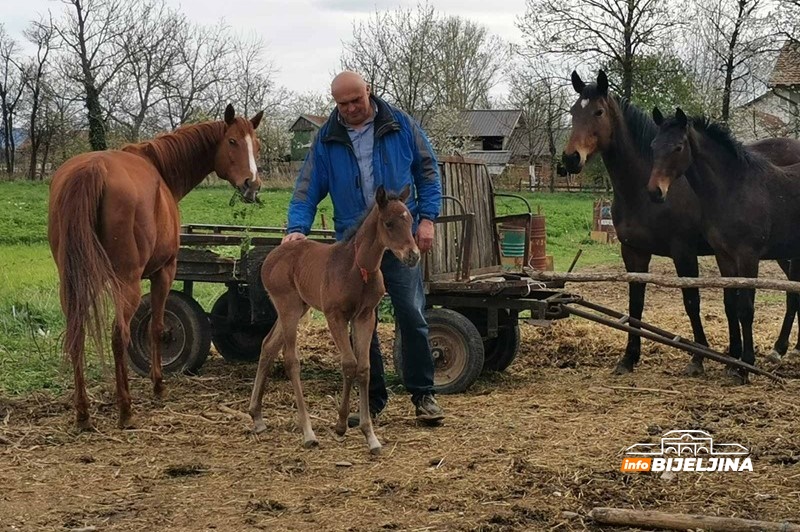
[591, 122]
[395, 226]
[237, 152]
[672, 153]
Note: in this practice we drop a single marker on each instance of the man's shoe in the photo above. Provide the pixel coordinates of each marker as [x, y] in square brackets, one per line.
[428, 410]
[354, 419]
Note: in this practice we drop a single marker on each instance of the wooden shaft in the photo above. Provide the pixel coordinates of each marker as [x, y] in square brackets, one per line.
[664, 280]
[669, 521]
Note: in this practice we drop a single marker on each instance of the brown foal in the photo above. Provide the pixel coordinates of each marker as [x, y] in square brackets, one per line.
[344, 281]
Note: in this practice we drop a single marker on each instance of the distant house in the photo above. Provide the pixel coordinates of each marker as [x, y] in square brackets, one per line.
[776, 113]
[304, 131]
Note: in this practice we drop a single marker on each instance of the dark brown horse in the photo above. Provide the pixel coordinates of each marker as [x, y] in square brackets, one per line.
[750, 207]
[344, 281]
[621, 133]
[113, 220]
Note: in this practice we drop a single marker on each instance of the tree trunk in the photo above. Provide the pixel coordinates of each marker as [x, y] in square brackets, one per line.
[97, 130]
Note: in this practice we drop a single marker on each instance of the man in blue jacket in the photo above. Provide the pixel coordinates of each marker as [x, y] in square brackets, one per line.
[364, 144]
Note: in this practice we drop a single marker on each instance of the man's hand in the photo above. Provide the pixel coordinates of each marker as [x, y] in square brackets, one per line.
[291, 237]
[425, 235]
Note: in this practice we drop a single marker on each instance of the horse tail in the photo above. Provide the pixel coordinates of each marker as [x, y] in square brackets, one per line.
[85, 272]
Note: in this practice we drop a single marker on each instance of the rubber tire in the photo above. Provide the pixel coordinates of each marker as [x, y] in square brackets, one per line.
[244, 344]
[194, 331]
[499, 352]
[457, 326]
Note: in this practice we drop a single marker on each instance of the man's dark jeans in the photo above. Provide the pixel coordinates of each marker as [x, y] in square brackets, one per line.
[404, 286]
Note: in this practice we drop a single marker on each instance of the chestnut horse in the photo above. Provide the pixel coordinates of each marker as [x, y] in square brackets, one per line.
[750, 207]
[344, 281]
[113, 220]
[621, 133]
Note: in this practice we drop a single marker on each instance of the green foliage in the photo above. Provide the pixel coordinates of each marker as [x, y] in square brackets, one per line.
[31, 322]
[661, 80]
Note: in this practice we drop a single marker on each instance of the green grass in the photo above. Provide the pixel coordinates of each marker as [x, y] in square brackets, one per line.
[31, 322]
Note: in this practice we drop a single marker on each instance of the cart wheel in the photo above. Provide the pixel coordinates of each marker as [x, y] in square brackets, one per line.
[457, 350]
[186, 340]
[499, 352]
[238, 340]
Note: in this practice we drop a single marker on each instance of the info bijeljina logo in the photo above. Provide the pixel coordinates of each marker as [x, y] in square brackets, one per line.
[686, 450]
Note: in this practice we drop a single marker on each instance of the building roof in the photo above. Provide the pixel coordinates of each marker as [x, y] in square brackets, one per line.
[487, 122]
[498, 157]
[786, 72]
[315, 121]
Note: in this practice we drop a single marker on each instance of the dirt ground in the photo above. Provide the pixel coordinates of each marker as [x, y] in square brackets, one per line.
[534, 448]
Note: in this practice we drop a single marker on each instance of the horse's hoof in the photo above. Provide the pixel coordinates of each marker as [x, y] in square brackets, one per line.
[160, 391]
[126, 422]
[375, 451]
[622, 369]
[340, 429]
[259, 427]
[694, 370]
[739, 376]
[774, 357]
[84, 424]
[311, 444]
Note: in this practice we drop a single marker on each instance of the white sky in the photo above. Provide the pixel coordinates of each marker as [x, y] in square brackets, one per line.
[303, 37]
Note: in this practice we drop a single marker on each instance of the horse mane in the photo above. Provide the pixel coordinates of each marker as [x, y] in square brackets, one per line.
[351, 232]
[722, 135]
[642, 127]
[176, 153]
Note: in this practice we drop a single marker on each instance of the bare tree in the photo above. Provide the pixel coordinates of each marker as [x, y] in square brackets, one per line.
[93, 31]
[203, 55]
[737, 34]
[150, 54]
[12, 85]
[41, 35]
[423, 61]
[538, 91]
[468, 63]
[395, 51]
[599, 31]
[251, 85]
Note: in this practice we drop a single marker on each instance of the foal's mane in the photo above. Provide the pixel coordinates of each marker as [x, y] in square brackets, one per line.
[176, 154]
[351, 232]
[722, 135]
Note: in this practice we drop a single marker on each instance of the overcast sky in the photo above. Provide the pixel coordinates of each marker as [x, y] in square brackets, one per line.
[303, 37]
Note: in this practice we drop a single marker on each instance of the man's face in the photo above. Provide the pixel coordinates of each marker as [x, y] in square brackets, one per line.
[353, 104]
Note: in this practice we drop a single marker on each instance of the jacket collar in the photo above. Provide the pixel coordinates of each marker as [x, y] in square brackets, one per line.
[384, 123]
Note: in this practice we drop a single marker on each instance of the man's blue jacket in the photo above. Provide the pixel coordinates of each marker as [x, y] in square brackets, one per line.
[401, 155]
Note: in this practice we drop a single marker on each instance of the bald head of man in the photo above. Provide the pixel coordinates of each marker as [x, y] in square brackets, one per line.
[351, 94]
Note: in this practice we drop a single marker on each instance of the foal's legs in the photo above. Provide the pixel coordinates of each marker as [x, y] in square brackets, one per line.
[338, 324]
[78, 359]
[639, 262]
[792, 270]
[160, 283]
[290, 313]
[363, 327]
[126, 304]
[269, 348]
[747, 267]
[686, 266]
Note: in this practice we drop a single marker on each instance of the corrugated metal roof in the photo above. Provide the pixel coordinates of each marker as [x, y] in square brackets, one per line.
[486, 123]
[491, 157]
[315, 120]
[787, 67]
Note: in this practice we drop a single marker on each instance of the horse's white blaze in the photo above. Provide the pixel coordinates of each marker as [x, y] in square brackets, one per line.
[584, 102]
[253, 168]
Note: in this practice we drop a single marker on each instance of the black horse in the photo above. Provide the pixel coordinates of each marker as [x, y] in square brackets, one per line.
[622, 134]
[750, 207]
